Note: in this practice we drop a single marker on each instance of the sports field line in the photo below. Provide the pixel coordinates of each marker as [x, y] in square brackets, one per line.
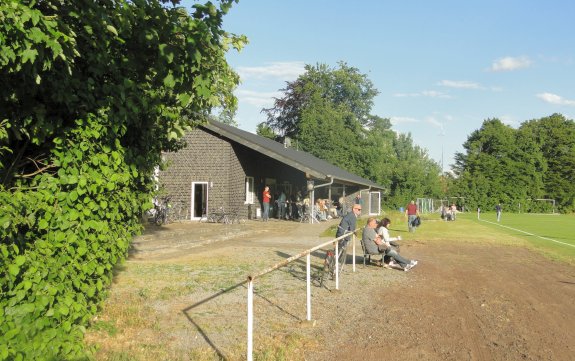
[530, 234]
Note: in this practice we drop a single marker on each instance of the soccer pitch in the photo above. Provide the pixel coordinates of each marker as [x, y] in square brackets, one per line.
[551, 233]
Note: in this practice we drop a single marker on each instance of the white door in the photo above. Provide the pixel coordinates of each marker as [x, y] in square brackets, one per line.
[199, 203]
[374, 203]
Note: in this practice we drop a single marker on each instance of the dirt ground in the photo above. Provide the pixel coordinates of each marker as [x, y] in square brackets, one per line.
[464, 301]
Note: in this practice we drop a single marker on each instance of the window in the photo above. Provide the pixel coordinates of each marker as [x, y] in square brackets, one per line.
[250, 196]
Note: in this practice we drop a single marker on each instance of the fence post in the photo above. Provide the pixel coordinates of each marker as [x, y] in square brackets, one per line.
[337, 265]
[250, 318]
[308, 271]
[353, 250]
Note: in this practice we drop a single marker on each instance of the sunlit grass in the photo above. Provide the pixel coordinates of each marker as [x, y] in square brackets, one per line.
[143, 320]
[467, 228]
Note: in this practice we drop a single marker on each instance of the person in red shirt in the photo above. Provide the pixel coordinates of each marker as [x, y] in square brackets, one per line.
[266, 198]
[412, 213]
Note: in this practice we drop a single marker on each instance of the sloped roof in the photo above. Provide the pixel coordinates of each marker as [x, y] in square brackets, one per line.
[305, 162]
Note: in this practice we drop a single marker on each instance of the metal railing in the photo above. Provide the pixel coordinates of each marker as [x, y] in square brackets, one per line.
[307, 253]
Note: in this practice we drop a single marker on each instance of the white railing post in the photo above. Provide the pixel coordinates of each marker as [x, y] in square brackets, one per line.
[337, 265]
[250, 318]
[353, 250]
[252, 277]
[308, 281]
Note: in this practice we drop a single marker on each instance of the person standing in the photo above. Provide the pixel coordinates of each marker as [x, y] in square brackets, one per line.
[347, 224]
[498, 211]
[412, 213]
[453, 211]
[266, 198]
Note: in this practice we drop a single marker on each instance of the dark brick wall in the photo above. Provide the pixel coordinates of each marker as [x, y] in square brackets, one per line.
[206, 158]
[210, 158]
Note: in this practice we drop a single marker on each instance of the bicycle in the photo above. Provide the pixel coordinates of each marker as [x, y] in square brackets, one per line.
[219, 216]
[161, 211]
[328, 267]
[178, 212]
[236, 218]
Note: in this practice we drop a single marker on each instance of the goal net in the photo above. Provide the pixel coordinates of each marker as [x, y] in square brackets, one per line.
[540, 205]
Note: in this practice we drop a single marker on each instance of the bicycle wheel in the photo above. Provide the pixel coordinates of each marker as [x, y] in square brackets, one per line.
[175, 213]
[161, 217]
[342, 258]
[328, 267]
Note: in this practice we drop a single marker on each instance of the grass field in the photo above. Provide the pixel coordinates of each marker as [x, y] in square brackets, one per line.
[551, 235]
[142, 319]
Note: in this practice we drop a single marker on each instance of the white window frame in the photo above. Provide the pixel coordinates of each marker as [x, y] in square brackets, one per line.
[250, 194]
[377, 205]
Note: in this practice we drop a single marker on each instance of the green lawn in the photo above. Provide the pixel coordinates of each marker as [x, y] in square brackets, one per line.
[558, 229]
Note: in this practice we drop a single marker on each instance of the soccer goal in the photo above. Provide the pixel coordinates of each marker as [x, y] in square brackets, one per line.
[543, 205]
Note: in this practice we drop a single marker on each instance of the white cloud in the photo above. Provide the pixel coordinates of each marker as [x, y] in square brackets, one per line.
[405, 95]
[510, 63]
[555, 99]
[459, 84]
[509, 120]
[281, 70]
[425, 93]
[434, 94]
[434, 122]
[258, 99]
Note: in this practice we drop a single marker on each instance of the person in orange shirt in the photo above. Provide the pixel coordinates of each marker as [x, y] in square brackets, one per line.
[266, 198]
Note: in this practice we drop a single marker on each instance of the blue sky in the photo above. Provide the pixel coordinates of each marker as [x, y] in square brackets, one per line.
[442, 67]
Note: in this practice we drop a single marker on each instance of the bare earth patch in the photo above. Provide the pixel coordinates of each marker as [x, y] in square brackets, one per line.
[181, 296]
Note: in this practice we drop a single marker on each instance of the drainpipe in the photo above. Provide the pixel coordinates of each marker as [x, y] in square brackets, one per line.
[312, 198]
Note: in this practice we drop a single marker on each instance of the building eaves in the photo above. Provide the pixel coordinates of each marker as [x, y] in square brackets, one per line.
[305, 162]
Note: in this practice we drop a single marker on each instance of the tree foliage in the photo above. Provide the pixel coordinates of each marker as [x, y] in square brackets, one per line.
[93, 92]
[329, 112]
[517, 166]
[555, 137]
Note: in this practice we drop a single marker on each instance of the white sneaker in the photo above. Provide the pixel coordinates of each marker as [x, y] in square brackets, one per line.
[407, 268]
[413, 263]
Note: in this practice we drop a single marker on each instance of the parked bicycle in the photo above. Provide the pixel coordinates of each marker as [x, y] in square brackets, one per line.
[161, 208]
[217, 216]
[178, 212]
[235, 218]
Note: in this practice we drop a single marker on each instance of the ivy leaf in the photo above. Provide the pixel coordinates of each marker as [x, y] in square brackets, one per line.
[43, 224]
[29, 55]
[19, 261]
[13, 269]
[169, 81]
[112, 29]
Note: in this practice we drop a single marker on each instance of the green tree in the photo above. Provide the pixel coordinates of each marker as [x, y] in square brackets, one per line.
[555, 136]
[501, 165]
[266, 131]
[93, 92]
[323, 132]
[345, 87]
[329, 112]
[414, 173]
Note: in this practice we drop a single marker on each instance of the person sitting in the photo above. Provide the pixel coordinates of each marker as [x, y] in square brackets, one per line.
[319, 210]
[373, 243]
[383, 232]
